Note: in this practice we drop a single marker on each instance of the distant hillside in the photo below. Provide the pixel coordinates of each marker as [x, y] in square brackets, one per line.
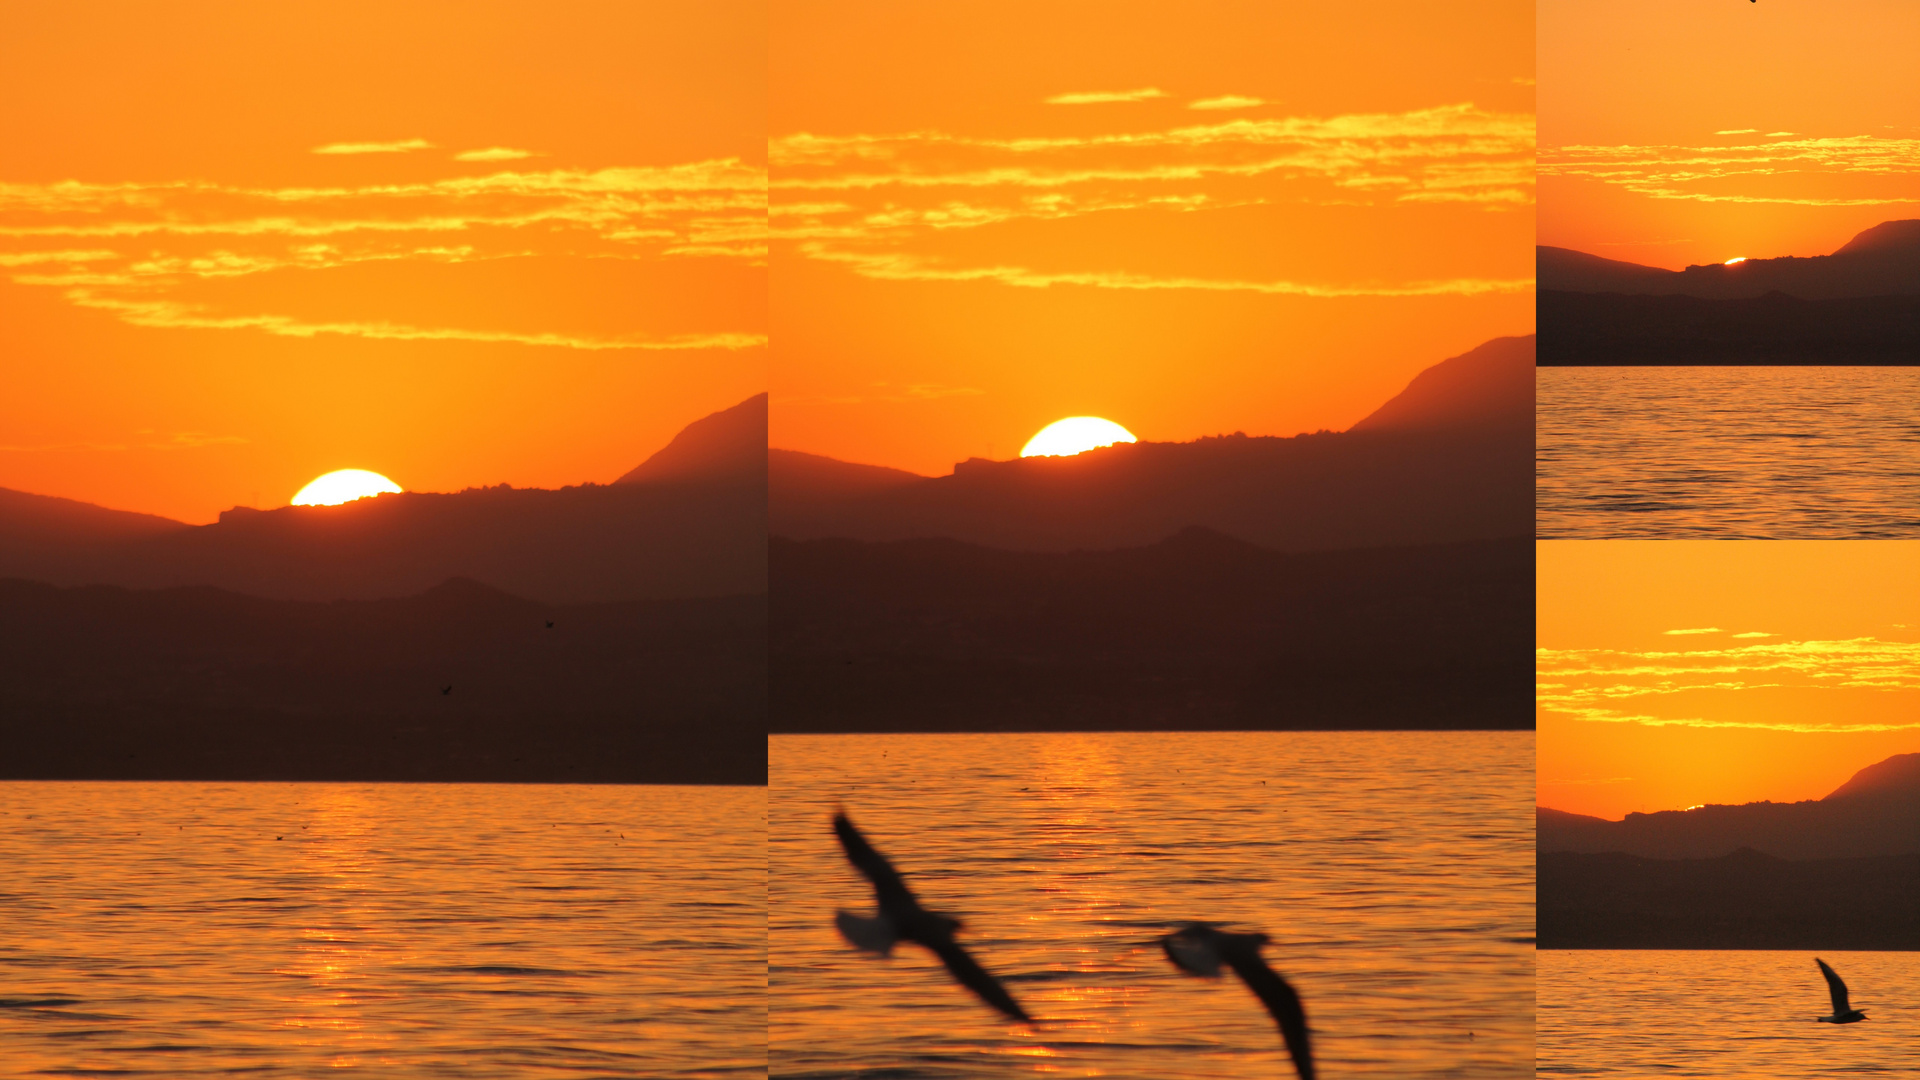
[1199, 631]
[1491, 386]
[1876, 813]
[1741, 900]
[1609, 329]
[726, 447]
[1882, 261]
[1449, 459]
[689, 522]
[110, 683]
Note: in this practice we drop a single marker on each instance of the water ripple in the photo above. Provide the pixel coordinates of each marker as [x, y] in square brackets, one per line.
[1807, 453]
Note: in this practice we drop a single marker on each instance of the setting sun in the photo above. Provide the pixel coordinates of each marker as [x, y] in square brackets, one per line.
[344, 485]
[1074, 435]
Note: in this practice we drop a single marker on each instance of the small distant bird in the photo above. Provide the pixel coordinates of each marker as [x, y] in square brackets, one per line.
[1842, 1012]
[446, 690]
[549, 624]
[1200, 950]
[901, 918]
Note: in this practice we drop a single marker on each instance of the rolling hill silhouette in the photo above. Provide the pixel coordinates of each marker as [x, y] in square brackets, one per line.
[1875, 813]
[102, 682]
[1450, 458]
[690, 521]
[1197, 632]
[1859, 305]
[1842, 872]
[1882, 261]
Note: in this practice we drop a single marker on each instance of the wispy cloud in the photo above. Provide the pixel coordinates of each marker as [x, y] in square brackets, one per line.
[1107, 97]
[1703, 630]
[1855, 170]
[192, 234]
[494, 153]
[145, 439]
[876, 203]
[1229, 101]
[401, 147]
[1753, 634]
[1593, 684]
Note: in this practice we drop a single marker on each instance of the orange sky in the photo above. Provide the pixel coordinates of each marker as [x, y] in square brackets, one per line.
[1189, 218]
[1674, 673]
[1674, 133]
[458, 243]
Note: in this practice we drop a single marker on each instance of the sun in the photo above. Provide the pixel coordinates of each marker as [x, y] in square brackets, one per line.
[1074, 435]
[343, 485]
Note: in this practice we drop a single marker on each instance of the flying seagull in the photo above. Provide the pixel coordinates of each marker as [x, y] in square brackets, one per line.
[1200, 950]
[901, 918]
[446, 690]
[1842, 1012]
[549, 624]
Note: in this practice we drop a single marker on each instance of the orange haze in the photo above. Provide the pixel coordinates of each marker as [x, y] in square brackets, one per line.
[457, 243]
[1674, 673]
[1189, 218]
[1682, 133]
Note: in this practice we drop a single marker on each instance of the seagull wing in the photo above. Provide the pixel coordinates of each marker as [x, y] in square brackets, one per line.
[975, 978]
[1834, 987]
[1281, 1001]
[1191, 952]
[886, 880]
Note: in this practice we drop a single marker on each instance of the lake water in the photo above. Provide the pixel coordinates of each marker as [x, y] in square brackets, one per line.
[1394, 872]
[456, 930]
[1725, 1015]
[1811, 453]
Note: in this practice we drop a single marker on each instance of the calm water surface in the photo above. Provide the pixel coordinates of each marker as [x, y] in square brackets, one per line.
[1393, 870]
[301, 930]
[1725, 1015]
[1811, 453]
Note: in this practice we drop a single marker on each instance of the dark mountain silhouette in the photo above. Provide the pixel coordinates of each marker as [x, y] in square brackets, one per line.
[1451, 458]
[729, 446]
[1874, 814]
[1199, 631]
[1609, 329]
[1492, 386]
[199, 683]
[807, 493]
[693, 525]
[1882, 261]
[1741, 900]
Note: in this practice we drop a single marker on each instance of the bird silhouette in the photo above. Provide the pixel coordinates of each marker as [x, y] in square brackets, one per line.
[445, 690]
[549, 624]
[1843, 1013]
[901, 918]
[1199, 949]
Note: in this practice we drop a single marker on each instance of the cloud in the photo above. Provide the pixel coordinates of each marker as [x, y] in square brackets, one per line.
[193, 235]
[1230, 101]
[35, 258]
[401, 147]
[1739, 131]
[494, 153]
[1753, 634]
[173, 315]
[1523, 80]
[1588, 684]
[1104, 97]
[1704, 630]
[1855, 170]
[878, 204]
[911, 268]
[179, 440]
[1780, 134]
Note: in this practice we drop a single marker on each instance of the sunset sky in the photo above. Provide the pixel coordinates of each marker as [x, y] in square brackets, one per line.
[459, 244]
[1188, 218]
[1681, 133]
[1675, 673]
